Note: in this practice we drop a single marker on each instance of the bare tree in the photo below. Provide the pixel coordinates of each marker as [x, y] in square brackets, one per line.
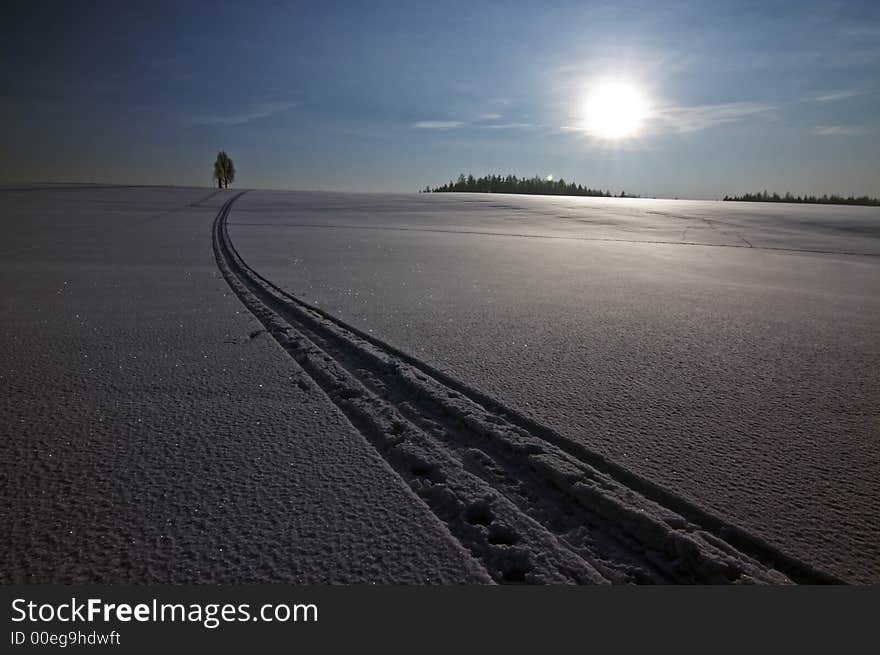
[224, 170]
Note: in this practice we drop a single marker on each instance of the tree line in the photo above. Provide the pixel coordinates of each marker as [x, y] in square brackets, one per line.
[512, 184]
[833, 199]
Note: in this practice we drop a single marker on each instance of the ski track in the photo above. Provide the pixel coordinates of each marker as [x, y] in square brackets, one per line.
[530, 505]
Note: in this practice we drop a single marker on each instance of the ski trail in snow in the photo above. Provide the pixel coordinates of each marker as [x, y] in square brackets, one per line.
[530, 505]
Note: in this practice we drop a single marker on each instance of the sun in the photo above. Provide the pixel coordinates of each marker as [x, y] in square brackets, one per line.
[615, 110]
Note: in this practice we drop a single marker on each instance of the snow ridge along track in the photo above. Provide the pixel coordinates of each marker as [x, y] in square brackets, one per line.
[529, 505]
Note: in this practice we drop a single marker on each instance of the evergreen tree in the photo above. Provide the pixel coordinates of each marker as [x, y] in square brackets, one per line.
[833, 199]
[536, 184]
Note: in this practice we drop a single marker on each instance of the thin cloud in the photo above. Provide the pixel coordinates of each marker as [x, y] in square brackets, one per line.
[256, 113]
[490, 117]
[437, 125]
[480, 125]
[841, 94]
[702, 117]
[866, 31]
[840, 130]
[692, 118]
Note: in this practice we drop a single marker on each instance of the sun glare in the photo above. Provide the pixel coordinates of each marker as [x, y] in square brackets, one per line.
[615, 110]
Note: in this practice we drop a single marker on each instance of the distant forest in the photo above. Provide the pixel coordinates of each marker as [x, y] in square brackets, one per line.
[833, 199]
[512, 184]
[537, 185]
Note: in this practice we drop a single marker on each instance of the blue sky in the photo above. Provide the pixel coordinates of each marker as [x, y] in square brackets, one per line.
[391, 96]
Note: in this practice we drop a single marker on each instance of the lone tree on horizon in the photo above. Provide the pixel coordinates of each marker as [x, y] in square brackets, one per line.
[224, 170]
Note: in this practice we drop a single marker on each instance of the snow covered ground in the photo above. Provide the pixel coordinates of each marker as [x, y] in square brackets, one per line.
[152, 432]
[503, 388]
[726, 352]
